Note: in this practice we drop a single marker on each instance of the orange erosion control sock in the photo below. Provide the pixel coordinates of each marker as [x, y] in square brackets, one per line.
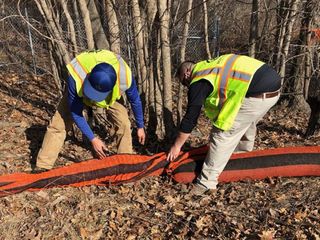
[124, 168]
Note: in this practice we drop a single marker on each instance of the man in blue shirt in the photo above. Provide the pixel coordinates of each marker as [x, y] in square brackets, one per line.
[98, 83]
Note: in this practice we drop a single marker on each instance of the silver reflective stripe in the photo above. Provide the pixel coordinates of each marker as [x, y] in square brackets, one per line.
[208, 71]
[224, 79]
[78, 69]
[122, 75]
[240, 76]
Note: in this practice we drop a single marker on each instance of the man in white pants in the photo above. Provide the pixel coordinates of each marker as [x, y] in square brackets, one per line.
[236, 91]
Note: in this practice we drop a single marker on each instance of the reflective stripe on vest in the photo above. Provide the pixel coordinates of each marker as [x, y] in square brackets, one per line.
[230, 76]
[122, 75]
[224, 73]
[242, 76]
[223, 80]
[80, 71]
[81, 66]
[205, 72]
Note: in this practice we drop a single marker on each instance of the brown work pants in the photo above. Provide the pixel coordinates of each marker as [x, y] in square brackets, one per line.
[61, 123]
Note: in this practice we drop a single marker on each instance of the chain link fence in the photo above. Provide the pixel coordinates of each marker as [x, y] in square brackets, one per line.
[196, 49]
[22, 49]
[24, 46]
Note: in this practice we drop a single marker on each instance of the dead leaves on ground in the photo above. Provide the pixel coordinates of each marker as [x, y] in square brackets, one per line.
[154, 208]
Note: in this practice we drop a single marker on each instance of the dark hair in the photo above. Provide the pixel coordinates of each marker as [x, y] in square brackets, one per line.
[182, 66]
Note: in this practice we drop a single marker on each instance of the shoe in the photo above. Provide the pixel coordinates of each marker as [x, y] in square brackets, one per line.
[199, 190]
[37, 170]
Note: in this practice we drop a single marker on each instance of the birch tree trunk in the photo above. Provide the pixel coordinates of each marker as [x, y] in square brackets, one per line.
[166, 65]
[292, 16]
[113, 25]
[205, 26]
[139, 42]
[151, 12]
[87, 23]
[182, 57]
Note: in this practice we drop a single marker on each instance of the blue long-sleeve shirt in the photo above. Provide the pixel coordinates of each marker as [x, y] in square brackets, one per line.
[76, 106]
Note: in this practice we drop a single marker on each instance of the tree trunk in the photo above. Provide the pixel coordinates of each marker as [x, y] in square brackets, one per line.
[254, 30]
[314, 92]
[139, 43]
[78, 27]
[99, 36]
[87, 23]
[294, 84]
[151, 12]
[288, 35]
[54, 68]
[70, 25]
[55, 29]
[265, 26]
[282, 18]
[182, 57]
[159, 92]
[205, 26]
[113, 25]
[176, 11]
[166, 66]
[311, 49]
[150, 49]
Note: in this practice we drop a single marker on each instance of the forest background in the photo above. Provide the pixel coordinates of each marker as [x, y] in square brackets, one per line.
[39, 37]
[153, 36]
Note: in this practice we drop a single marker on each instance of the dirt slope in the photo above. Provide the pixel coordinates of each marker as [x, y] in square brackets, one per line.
[154, 208]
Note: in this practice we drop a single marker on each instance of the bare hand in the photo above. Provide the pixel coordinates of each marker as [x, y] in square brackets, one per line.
[99, 147]
[173, 153]
[141, 135]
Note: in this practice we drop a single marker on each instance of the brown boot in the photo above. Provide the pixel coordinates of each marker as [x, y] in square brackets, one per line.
[37, 170]
[199, 190]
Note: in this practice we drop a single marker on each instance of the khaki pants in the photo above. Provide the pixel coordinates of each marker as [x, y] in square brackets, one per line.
[239, 138]
[61, 123]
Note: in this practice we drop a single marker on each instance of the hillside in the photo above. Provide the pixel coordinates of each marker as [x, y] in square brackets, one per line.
[154, 208]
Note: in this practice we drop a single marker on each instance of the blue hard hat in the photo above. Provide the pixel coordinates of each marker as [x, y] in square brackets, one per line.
[100, 82]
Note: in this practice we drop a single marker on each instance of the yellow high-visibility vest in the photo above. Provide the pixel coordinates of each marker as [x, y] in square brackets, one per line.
[82, 65]
[230, 76]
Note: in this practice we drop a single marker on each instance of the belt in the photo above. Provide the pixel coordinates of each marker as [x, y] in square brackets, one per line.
[266, 95]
